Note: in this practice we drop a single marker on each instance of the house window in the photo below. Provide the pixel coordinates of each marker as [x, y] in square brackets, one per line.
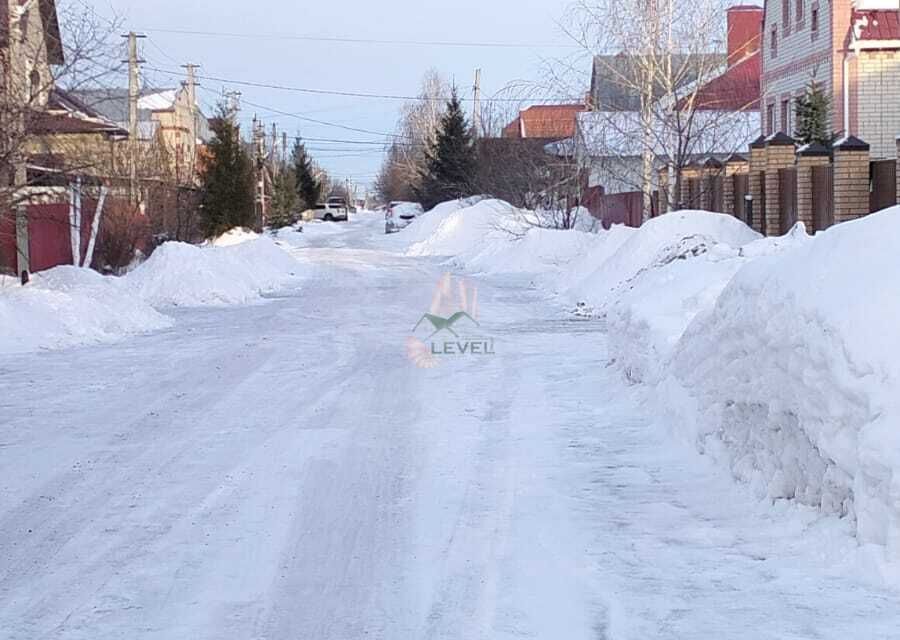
[770, 119]
[774, 40]
[786, 15]
[800, 12]
[814, 21]
[786, 116]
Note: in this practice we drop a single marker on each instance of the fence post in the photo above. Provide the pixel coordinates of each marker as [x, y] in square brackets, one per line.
[689, 174]
[851, 179]
[757, 166]
[780, 154]
[809, 156]
[898, 169]
[736, 164]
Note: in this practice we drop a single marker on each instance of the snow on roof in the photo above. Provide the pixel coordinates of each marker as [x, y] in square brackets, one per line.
[158, 101]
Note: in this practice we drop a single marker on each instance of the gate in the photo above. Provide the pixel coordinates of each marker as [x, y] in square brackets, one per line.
[761, 214]
[822, 197]
[882, 185]
[787, 190]
[741, 187]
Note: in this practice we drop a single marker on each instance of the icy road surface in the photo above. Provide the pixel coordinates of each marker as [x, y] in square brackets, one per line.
[281, 471]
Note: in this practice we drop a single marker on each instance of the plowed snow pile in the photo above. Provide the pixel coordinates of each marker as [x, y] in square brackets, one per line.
[184, 275]
[793, 376]
[68, 306]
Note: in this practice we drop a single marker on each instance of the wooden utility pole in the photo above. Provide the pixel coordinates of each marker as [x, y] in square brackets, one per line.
[134, 91]
[476, 109]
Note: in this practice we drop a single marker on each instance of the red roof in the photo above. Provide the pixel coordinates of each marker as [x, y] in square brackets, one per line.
[877, 25]
[545, 121]
[738, 89]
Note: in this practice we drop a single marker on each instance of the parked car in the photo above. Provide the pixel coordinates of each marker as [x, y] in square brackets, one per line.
[398, 215]
[328, 212]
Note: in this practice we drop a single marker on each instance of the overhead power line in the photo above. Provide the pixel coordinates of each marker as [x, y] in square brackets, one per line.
[348, 94]
[344, 40]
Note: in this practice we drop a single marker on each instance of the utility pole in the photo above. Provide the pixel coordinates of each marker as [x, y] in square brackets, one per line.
[191, 86]
[476, 115]
[19, 95]
[133, 96]
[259, 148]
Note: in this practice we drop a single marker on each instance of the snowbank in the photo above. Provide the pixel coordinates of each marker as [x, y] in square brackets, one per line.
[467, 231]
[235, 236]
[791, 378]
[68, 306]
[657, 243]
[426, 224]
[536, 252]
[179, 274]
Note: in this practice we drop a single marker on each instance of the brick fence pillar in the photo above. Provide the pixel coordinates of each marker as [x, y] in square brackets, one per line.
[736, 164]
[808, 156]
[851, 179]
[780, 154]
[757, 164]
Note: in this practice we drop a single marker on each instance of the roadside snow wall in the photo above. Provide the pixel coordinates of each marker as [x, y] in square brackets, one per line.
[793, 376]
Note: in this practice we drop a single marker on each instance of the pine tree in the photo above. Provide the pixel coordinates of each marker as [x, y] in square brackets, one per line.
[451, 161]
[285, 201]
[812, 116]
[228, 189]
[308, 188]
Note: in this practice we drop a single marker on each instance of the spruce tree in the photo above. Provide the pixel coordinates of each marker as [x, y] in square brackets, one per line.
[285, 201]
[308, 188]
[228, 189]
[812, 116]
[451, 161]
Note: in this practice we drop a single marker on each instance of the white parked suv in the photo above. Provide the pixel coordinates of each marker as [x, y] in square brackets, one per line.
[332, 211]
[398, 215]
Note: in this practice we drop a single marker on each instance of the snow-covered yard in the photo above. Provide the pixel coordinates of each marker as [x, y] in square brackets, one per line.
[266, 462]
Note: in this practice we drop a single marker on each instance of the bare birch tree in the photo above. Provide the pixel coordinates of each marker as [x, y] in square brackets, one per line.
[655, 57]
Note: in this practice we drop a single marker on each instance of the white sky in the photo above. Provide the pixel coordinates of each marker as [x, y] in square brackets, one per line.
[368, 68]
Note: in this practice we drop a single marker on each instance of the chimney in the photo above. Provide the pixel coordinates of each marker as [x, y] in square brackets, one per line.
[745, 25]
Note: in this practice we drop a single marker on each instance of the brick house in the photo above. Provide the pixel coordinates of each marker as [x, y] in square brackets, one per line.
[63, 140]
[549, 122]
[851, 48]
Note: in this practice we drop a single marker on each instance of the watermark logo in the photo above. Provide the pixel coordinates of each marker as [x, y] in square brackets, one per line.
[450, 321]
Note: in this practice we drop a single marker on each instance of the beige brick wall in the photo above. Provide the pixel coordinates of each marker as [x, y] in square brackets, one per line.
[879, 101]
[851, 185]
[804, 187]
[777, 157]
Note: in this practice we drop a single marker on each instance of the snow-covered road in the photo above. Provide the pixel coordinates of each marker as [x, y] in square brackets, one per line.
[282, 471]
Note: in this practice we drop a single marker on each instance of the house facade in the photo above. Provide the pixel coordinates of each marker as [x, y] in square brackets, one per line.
[849, 48]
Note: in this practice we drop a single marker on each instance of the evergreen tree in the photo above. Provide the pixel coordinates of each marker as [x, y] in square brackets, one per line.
[451, 161]
[285, 201]
[812, 116]
[308, 188]
[228, 189]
